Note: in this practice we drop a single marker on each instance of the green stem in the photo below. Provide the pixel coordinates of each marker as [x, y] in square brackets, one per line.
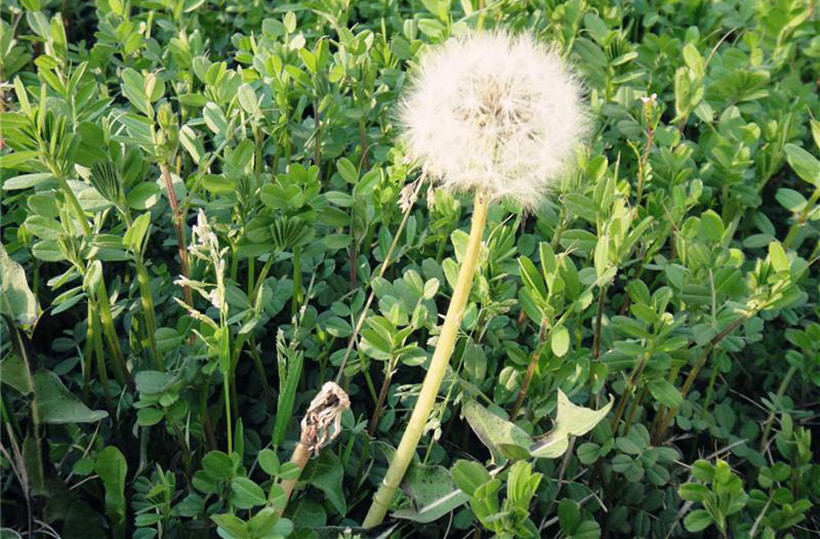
[75, 204]
[388, 377]
[710, 391]
[179, 223]
[226, 392]
[795, 228]
[148, 311]
[767, 427]
[18, 346]
[98, 350]
[297, 281]
[438, 366]
[667, 418]
[121, 372]
[206, 417]
[525, 386]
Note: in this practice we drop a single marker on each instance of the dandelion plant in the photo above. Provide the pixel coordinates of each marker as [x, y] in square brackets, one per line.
[497, 115]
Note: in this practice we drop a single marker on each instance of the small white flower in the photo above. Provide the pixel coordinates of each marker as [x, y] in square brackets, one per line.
[495, 112]
[204, 237]
[217, 298]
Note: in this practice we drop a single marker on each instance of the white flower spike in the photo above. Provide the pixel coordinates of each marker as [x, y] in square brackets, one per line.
[494, 111]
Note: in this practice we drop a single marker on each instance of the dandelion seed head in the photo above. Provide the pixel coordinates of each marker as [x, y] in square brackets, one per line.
[496, 112]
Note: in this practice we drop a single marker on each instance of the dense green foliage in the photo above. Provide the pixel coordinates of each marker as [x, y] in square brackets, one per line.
[673, 274]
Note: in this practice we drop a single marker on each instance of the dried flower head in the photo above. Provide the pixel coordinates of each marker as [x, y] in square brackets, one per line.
[495, 112]
[323, 419]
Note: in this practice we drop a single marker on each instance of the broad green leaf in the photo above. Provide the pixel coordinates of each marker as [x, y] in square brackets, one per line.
[245, 494]
[16, 299]
[503, 438]
[777, 257]
[570, 420]
[133, 87]
[112, 467]
[230, 526]
[804, 164]
[601, 256]
[432, 493]
[326, 473]
[468, 475]
[58, 405]
[13, 373]
[269, 461]
[347, 170]
[26, 180]
[790, 199]
[697, 521]
[665, 392]
[560, 341]
[215, 119]
[569, 515]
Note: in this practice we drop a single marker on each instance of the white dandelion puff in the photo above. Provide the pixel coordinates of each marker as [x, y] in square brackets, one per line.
[494, 112]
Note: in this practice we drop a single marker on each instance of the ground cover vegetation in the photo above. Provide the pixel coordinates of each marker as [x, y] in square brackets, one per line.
[237, 295]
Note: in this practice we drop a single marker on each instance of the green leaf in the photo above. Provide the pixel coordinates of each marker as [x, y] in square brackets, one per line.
[601, 256]
[269, 462]
[711, 225]
[502, 438]
[144, 196]
[16, 299]
[26, 181]
[347, 170]
[147, 417]
[245, 494]
[247, 98]
[326, 473]
[58, 405]
[136, 234]
[790, 199]
[14, 160]
[112, 468]
[693, 492]
[665, 392]
[532, 278]
[468, 475]
[133, 87]
[581, 206]
[230, 526]
[693, 59]
[777, 257]
[432, 494]
[804, 164]
[697, 521]
[560, 341]
[570, 420]
[569, 515]
[215, 119]
[13, 373]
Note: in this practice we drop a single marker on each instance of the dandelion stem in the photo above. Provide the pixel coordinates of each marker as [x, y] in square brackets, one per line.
[435, 374]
